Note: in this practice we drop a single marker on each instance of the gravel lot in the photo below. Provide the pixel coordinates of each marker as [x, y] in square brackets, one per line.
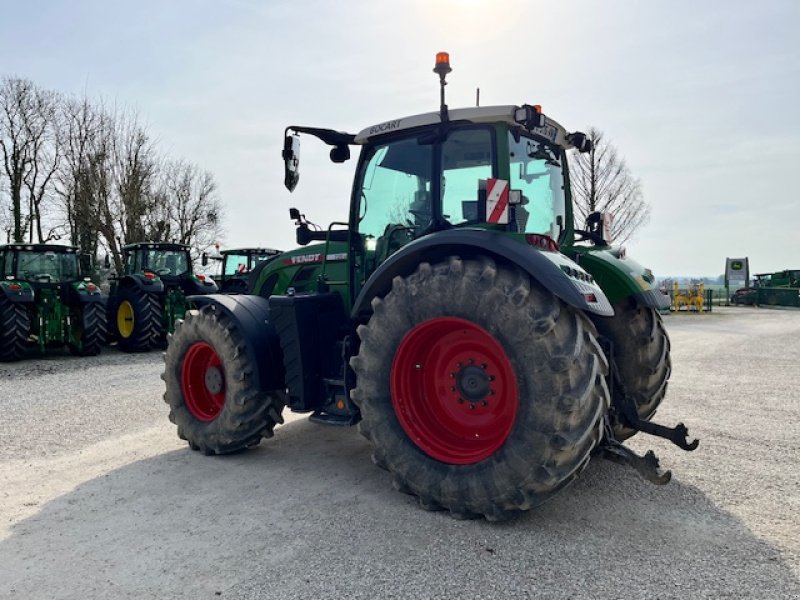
[99, 499]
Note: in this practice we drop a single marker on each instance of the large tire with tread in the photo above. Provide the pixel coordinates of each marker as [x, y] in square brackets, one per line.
[542, 360]
[641, 357]
[145, 314]
[15, 327]
[89, 326]
[210, 389]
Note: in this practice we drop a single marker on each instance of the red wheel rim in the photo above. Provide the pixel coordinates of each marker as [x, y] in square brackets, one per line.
[203, 382]
[454, 390]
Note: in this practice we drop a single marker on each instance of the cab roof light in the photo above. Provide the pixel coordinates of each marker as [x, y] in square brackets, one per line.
[442, 66]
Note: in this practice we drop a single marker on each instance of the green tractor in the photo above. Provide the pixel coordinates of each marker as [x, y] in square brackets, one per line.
[151, 293]
[44, 299]
[484, 353]
[239, 267]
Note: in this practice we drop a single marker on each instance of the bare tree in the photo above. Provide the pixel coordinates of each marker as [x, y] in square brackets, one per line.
[45, 151]
[81, 124]
[192, 208]
[602, 182]
[16, 104]
[71, 165]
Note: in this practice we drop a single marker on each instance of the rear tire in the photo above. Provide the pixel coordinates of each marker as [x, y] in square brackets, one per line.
[210, 388]
[641, 357]
[142, 314]
[557, 389]
[91, 330]
[15, 327]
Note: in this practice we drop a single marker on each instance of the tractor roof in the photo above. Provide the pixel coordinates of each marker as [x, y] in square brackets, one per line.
[155, 246]
[265, 251]
[479, 114]
[40, 248]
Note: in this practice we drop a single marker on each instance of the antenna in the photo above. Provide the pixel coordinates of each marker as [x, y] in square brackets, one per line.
[477, 96]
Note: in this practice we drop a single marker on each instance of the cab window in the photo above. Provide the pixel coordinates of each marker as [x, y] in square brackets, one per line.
[466, 159]
[536, 171]
[395, 190]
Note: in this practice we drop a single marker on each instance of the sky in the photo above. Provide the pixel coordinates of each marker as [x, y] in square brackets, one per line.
[699, 97]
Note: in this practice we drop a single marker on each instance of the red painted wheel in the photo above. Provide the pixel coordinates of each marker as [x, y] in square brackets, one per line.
[203, 382]
[454, 390]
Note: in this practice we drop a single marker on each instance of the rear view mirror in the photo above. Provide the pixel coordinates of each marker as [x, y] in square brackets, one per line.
[339, 154]
[107, 262]
[581, 143]
[204, 259]
[291, 161]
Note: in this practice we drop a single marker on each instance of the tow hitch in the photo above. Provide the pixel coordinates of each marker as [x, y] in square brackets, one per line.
[624, 412]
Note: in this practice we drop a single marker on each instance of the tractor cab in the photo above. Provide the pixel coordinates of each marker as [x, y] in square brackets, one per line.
[40, 265]
[238, 264]
[167, 262]
[499, 169]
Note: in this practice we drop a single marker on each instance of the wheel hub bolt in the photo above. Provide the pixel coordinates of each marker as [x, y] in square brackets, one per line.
[213, 380]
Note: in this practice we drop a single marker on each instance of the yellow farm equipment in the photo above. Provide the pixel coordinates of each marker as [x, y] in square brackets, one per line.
[692, 299]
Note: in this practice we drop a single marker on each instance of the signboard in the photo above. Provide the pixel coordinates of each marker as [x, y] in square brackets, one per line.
[737, 270]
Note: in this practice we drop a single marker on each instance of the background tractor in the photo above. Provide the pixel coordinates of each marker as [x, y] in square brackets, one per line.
[45, 301]
[483, 352]
[781, 288]
[238, 266]
[150, 295]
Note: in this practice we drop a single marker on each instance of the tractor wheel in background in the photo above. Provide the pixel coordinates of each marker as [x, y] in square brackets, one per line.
[641, 357]
[480, 391]
[88, 324]
[159, 336]
[137, 318]
[209, 386]
[15, 327]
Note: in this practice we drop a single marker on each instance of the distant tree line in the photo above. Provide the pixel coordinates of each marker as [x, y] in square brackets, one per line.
[80, 172]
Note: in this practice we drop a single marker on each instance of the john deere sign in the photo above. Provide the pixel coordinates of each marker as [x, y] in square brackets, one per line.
[737, 269]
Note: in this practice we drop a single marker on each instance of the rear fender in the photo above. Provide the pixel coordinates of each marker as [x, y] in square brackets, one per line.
[550, 269]
[250, 315]
[83, 294]
[16, 291]
[137, 280]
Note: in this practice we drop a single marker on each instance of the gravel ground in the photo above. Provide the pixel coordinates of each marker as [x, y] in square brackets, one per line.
[99, 499]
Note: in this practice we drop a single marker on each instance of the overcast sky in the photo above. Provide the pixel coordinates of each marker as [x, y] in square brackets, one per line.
[700, 97]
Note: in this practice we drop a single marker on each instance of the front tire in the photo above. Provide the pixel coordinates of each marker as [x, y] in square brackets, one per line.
[210, 389]
[641, 356]
[15, 326]
[535, 363]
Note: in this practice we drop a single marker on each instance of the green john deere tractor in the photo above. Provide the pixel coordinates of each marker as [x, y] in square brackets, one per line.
[240, 266]
[150, 294]
[483, 352]
[45, 302]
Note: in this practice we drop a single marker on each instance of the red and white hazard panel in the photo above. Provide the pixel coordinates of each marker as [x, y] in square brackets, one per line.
[497, 201]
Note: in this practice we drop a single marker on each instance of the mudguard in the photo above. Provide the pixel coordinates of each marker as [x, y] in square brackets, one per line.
[262, 345]
[621, 277]
[196, 285]
[17, 291]
[83, 294]
[153, 286]
[550, 269]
